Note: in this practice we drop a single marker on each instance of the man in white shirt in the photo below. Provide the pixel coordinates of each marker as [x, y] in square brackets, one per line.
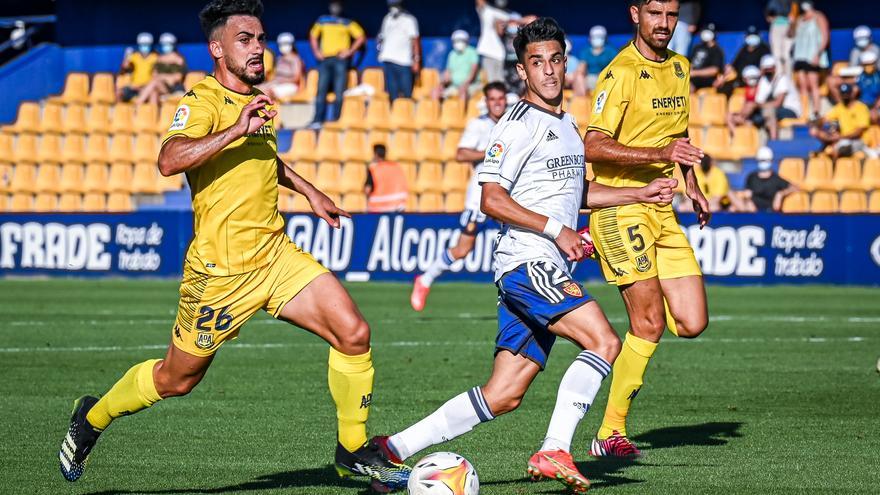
[863, 41]
[533, 182]
[399, 50]
[490, 45]
[776, 96]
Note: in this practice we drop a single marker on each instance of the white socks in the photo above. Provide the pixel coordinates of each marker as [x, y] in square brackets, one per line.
[454, 418]
[577, 390]
[440, 265]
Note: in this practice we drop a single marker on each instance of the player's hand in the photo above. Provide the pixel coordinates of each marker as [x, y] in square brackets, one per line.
[571, 244]
[325, 208]
[681, 151]
[659, 191]
[701, 205]
[254, 115]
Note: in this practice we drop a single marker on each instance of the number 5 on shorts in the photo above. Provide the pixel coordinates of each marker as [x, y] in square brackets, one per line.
[636, 239]
[223, 321]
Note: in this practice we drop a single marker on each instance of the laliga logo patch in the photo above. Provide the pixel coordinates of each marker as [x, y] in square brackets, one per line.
[180, 118]
[205, 340]
[600, 102]
[572, 289]
[495, 151]
[643, 264]
[875, 251]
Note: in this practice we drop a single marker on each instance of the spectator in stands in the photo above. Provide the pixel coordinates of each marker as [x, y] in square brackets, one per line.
[863, 43]
[511, 28]
[386, 187]
[571, 66]
[751, 77]
[139, 64]
[688, 19]
[593, 59]
[707, 61]
[289, 71]
[841, 129]
[493, 23]
[779, 15]
[810, 54]
[168, 72]
[765, 189]
[750, 53]
[869, 84]
[776, 96]
[400, 50]
[334, 39]
[715, 186]
[462, 69]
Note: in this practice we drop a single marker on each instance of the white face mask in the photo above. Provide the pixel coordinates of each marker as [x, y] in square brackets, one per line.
[751, 82]
[807, 7]
[394, 9]
[459, 46]
[707, 35]
[753, 40]
[285, 49]
[863, 42]
[144, 49]
[597, 43]
[765, 166]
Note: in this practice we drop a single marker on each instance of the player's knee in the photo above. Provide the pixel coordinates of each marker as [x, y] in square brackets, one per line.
[608, 347]
[692, 326]
[504, 403]
[178, 387]
[648, 326]
[356, 339]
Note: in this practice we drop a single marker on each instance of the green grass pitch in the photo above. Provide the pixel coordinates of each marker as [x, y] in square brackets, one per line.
[780, 395]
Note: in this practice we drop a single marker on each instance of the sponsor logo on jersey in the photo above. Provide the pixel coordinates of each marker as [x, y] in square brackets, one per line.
[645, 75]
[495, 150]
[669, 102]
[191, 93]
[181, 117]
[679, 72]
[205, 340]
[573, 290]
[551, 136]
[601, 98]
[228, 100]
[643, 264]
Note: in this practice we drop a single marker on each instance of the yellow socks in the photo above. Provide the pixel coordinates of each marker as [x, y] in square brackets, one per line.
[133, 392]
[629, 368]
[351, 386]
[670, 321]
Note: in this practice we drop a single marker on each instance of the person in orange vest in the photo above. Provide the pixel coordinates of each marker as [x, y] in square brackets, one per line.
[386, 187]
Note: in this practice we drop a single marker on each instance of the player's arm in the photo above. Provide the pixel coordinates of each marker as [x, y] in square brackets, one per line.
[469, 154]
[182, 152]
[601, 147]
[601, 196]
[323, 206]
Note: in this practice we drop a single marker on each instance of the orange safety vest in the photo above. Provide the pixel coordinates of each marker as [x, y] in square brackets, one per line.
[389, 188]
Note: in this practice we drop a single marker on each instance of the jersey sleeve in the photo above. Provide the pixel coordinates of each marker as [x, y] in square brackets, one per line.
[315, 32]
[470, 138]
[613, 94]
[355, 30]
[194, 118]
[507, 153]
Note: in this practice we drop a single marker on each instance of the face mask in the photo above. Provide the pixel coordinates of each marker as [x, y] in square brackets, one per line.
[753, 40]
[501, 4]
[707, 35]
[395, 10]
[459, 46]
[597, 43]
[512, 29]
[751, 82]
[807, 7]
[166, 48]
[765, 166]
[863, 42]
[335, 9]
[144, 49]
[285, 49]
[769, 75]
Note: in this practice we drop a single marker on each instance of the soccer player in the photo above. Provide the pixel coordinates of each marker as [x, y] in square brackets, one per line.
[240, 260]
[533, 182]
[637, 133]
[471, 148]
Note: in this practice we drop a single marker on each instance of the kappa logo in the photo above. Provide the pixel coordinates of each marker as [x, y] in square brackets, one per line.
[618, 272]
[633, 394]
[572, 289]
[643, 264]
[177, 332]
[645, 75]
[608, 75]
[679, 72]
[191, 93]
[205, 340]
[551, 136]
[366, 400]
[228, 100]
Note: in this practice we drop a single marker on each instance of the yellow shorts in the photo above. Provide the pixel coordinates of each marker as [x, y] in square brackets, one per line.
[638, 242]
[212, 309]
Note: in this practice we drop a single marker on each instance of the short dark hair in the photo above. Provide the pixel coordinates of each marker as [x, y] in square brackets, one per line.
[379, 150]
[542, 29]
[494, 85]
[642, 3]
[216, 13]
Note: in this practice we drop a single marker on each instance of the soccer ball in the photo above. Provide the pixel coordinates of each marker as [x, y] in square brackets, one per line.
[443, 473]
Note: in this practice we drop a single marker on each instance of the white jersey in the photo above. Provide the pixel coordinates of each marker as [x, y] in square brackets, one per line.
[538, 156]
[476, 137]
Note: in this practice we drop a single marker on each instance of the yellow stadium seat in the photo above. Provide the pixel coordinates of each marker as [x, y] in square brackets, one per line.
[796, 202]
[695, 116]
[717, 143]
[75, 121]
[379, 137]
[45, 202]
[145, 119]
[327, 147]
[847, 175]
[410, 169]
[580, 108]
[354, 147]
[428, 147]
[713, 110]
[98, 121]
[403, 145]
[306, 170]
[303, 144]
[146, 149]
[96, 177]
[103, 89]
[76, 89]
[5, 178]
[49, 150]
[121, 178]
[378, 116]
[426, 82]
[119, 202]
[353, 110]
[427, 116]
[874, 202]
[871, 174]
[308, 92]
[452, 115]
[27, 120]
[792, 170]
[166, 116]
[4, 203]
[301, 204]
[6, 141]
[192, 78]
[853, 202]
[70, 202]
[736, 102]
[745, 142]
[872, 137]
[72, 175]
[403, 112]
[123, 119]
[454, 202]
[24, 178]
[172, 183]
[824, 202]
[52, 119]
[430, 202]
[354, 202]
[94, 202]
[329, 178]
[429, 178]
[97, 149]
[145, 178]
[818, 174]
[412, 202]
[121, 149]
[21, 202]
[374, 77]
[25, 150]
[354, 176]
[474, 108]
[48, 178]
[456, 176]
[449, 149]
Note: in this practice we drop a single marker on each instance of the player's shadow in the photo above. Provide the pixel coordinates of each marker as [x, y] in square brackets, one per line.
[706, 435]
[304, 478]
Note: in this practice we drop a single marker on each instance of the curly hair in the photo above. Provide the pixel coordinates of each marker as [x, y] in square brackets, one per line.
[215, 14]
[542, 29]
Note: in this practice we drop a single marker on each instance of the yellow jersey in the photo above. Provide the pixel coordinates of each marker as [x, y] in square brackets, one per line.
[714, 184]
[335, 33]
[850, 117]
[142, 68]
[234, 193]
[641, 104]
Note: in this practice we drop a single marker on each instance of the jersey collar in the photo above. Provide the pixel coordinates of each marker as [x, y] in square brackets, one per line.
[632, 45]
[548, 112]
[230, 90]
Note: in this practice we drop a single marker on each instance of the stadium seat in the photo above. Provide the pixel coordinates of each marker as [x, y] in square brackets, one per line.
[354, 202]
[327, 147]
[874, 201]
[166, 116]
[21, 202]
[145, 178]
[146, 117]
[24, 178]
[456, 176]
[306, 170]
[379, 137]
[94, 202]
[70, 202]
[354, 147]
[97, 149]
[25, 150]
[329, 177]
[45, 202]
[72, 177]
[427, 117]
[5, 178]
[353, 111]
[792, 170]
[303, 144]
[4, 203]
[871, 137]
[475, 108]
[847, 174]
[695, 119]
[301, 204]
[121, 149]
[103, 89]
[48, 178]
[403, 112]
[146, 149]
[796, 202]
[6, 147]
[192, 78]
[745, 142]
[121, 178]
[430, 202]
[428, 147]
[580, 108]
[717, 143]
[27, 119]
[410, 169]
[52, 119]
[824, 202]
[75, 121]
[713, 110]
[98, 121]
[412, 202]
[96, 177]
[172, 183]
[123, 119]
[76, 89]
[452, 115]
[403, 146]
[49, 150]
[374, 77]
[454, 202]
[871, 174]
[378, 116]
[429, 178]
[354, 176]
[818, 174]
[119, 202]
[449, 148]
[736, 102]
[853, 202]
[428, 79]
[308, 92]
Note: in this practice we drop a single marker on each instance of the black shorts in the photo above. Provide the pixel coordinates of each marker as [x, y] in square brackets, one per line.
[803, 66]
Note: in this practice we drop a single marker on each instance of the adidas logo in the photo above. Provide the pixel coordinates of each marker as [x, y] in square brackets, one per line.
[582, 407]
[551, 136]
[645, 75]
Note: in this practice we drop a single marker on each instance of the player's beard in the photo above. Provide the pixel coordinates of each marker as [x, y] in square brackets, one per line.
[656, 44]
[241, 71]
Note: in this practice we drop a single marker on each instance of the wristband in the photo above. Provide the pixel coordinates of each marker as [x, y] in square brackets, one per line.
[553, 228]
